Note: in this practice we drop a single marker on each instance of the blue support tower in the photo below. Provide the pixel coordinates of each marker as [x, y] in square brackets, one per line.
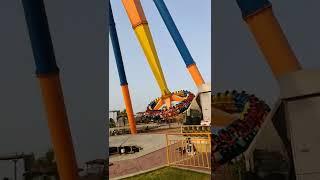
[116, 48]
[40, 38]
[174, 32]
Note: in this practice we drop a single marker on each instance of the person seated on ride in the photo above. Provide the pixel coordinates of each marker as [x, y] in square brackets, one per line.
[241, 130]
[251, 123]
[226, 137]
[232, 131]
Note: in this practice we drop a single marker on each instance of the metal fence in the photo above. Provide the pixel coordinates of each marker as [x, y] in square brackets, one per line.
[195, 129]
[189, 150]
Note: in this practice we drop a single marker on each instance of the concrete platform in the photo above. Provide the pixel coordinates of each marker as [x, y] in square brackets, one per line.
[153, 154]
[149, 142]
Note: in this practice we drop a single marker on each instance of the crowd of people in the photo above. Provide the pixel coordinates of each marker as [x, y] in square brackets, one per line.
[172, 111]
[231, 141]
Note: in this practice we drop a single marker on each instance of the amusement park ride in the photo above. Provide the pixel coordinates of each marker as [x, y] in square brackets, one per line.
[169, 102]
[300, 89]
[48, 75]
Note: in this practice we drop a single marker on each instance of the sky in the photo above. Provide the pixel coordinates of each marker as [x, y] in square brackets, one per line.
[237, 61]
[79, 33]
[193, 19]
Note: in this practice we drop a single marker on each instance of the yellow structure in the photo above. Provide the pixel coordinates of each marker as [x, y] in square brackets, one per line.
[142, 31]
[144, 36]
[189, 150]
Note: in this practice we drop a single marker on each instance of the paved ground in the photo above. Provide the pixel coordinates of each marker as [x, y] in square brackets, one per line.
[149, 143]
[152, 155]
[142, 163]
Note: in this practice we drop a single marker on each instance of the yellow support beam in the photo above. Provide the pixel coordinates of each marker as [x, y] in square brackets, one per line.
[142, 31]
[144, 36]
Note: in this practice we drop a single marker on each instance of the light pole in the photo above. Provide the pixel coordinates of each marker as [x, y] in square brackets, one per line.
[15, 168]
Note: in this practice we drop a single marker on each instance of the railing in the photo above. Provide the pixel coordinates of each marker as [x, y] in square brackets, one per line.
[126, 129]
[195, 129]
[189, 150]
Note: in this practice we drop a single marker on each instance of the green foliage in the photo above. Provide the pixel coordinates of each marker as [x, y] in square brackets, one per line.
[46, 161]
[112, 123]
[124, 111]
[50, 155]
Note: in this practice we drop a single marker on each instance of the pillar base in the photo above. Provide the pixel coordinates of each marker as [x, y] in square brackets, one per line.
[300, 92]
[205, 103]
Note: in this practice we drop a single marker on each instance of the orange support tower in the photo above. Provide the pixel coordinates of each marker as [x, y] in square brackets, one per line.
[269, 36]
[121, 72]
[195, 74]
[129, 110]
[48, 75]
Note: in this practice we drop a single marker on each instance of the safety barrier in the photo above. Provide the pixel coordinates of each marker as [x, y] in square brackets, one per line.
[126, 129]
[195, 129]
[189, 150]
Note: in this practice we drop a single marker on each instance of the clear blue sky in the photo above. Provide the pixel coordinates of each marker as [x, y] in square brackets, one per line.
[193, 19]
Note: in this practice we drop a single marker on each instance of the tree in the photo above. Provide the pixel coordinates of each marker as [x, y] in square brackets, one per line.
[50, 156]
[112, 123]
[123, 113]
[47, 163]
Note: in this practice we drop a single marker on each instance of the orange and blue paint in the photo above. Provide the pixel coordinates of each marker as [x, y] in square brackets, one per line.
[121, 72]
[142, 31]
[48, 74]
[269, 36]
[180, 44]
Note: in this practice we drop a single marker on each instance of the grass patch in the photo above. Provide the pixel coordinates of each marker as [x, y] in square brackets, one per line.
[169, 173]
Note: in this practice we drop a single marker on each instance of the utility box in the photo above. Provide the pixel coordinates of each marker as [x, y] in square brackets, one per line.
[199, 111]
[300, 92]
[205, 102]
